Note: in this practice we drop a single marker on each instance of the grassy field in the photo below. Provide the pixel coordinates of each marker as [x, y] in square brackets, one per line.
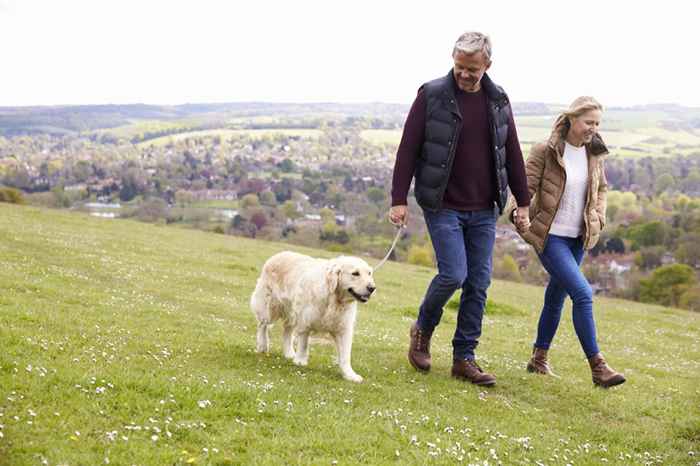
[128, 343]
[136, 127]
[227, 133]
[538, 133]
[623, 143]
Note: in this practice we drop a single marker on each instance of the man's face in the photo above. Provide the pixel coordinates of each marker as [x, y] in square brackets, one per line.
[469, 69]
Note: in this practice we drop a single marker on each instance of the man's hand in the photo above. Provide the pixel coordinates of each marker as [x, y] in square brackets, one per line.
[398, 215]
[522, 218]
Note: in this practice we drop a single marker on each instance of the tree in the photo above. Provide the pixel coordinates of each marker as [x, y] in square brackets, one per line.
[649, 258]
[615, 245]
[268, 198]
[152, 210]
[507, 269]
[688, 250]
[376, 195]
[647, 234]
[290, 210]
[327, 215]
[420, 255]
[286, 165]
[11, 195]
[691, 183]
[250, 200]
[259, 219]
[664, 182]
[133, 184]
[667, 284]
[691, 299]
[331, 232]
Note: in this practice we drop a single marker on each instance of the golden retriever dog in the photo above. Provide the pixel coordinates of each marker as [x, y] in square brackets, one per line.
[311, 295]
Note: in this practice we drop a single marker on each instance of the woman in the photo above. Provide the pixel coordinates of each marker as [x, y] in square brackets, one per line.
[566, 180]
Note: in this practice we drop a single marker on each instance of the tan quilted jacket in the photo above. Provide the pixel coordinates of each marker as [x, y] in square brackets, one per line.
[546, 179]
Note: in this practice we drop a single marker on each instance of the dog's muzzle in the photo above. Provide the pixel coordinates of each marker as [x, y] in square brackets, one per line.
[363, 298]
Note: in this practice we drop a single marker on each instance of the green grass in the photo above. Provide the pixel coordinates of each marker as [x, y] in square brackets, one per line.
[134, 342]
[136, 127]
[227, 133]
[381, 136]
[215, 204]
[628, 141]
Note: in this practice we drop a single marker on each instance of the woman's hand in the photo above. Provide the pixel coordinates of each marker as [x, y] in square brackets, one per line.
[522, 218]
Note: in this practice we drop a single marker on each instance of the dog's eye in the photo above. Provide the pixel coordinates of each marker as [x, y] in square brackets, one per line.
[356, 274]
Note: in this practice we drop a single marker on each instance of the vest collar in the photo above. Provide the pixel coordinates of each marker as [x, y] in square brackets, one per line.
[493, 92]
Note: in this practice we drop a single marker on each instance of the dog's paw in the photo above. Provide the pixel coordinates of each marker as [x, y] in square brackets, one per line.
[353, 377]
[301, 362]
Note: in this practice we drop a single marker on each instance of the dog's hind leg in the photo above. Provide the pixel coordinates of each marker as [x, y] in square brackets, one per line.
[260, 304]
[302, 356]
[288, 341]
[263, 338]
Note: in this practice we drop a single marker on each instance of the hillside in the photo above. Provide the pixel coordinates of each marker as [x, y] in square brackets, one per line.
[132, 343]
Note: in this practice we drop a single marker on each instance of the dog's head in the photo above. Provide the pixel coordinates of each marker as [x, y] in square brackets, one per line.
[350, 278]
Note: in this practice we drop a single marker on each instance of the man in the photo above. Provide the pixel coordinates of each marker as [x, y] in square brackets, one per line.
[460, 143]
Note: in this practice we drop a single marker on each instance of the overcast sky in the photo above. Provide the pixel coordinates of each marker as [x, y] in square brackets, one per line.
[171, 52]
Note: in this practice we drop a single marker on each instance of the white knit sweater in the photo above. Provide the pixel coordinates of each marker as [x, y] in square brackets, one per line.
[569, 218]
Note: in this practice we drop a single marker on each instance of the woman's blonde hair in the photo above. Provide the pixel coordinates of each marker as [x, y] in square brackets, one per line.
[578, 107]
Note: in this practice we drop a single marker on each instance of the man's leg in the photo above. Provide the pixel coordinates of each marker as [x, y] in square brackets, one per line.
[479, 240]
[448, 242]
[447, 236]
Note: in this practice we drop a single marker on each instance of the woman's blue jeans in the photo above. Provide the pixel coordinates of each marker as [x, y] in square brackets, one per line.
[463, 244]
[562, 258]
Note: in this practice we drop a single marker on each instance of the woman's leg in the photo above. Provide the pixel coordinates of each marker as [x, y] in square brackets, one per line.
[562, 258]
[554, 297]
[582, 313]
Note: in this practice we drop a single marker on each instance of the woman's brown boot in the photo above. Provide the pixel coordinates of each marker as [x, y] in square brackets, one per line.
[538, 362]
[604, 375]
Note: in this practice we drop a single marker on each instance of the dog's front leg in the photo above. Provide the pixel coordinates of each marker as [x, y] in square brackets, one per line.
[343, 343]
[302, 356]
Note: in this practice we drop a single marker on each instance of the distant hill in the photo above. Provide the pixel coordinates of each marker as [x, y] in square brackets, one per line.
[74, 119]
[89, 118]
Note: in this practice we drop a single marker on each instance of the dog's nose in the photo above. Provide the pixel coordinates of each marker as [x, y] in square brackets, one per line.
[371, 289]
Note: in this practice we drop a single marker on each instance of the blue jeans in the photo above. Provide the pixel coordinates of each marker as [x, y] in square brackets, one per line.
[463, 244]
[562, 258]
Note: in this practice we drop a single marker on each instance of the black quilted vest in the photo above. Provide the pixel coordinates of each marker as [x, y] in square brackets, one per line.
[442, 127]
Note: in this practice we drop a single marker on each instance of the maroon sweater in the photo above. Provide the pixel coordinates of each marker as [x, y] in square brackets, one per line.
[472, 182]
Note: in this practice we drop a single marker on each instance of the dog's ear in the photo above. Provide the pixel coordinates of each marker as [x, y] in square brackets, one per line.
[333, 276]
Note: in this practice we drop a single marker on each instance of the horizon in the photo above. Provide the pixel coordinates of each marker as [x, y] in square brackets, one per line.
[252, 102]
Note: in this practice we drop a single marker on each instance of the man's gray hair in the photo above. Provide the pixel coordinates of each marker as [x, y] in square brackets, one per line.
[473, 42]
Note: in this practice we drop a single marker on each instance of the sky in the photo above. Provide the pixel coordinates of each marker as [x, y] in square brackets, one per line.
[172, 52]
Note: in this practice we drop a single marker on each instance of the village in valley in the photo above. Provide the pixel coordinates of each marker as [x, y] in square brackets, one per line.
[319, 175]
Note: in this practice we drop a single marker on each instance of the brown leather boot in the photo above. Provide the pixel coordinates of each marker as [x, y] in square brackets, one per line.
[538, 362]
[419, 348]
[468, 369]
[603, 375]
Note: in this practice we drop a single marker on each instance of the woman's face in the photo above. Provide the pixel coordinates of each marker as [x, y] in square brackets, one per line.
[584, 127]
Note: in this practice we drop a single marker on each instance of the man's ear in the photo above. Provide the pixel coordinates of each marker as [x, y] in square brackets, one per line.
[333, 277]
